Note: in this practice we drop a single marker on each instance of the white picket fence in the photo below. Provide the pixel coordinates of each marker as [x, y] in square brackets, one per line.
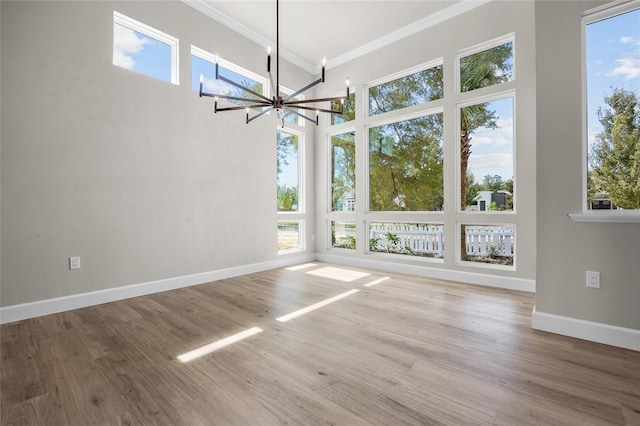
[429, 239]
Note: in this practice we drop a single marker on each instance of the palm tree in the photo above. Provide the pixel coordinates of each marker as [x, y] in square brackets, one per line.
[482, 69]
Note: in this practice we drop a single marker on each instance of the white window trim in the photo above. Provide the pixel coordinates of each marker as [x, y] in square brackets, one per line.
[173, 42]
[607, 216]
[212, 58]
[498, 41]
[385, 119]
[336, 132]
[301, 172]
[395, 76]
[479, 100]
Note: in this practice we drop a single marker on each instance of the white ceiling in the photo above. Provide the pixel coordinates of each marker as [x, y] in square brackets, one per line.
[338, 30]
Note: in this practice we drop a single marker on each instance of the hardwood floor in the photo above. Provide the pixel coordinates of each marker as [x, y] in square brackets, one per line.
[405, 351]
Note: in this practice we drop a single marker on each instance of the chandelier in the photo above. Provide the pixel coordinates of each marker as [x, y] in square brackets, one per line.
[288, 104]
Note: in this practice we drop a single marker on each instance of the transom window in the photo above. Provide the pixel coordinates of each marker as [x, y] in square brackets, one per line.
[143, 49]
[486, 66]
[203, 64]
[415, 88]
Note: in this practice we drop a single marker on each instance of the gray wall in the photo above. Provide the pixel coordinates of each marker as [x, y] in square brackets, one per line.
[566, 249]
[135, 175]
[497, 19]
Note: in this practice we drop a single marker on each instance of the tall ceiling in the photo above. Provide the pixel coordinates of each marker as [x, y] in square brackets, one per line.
[337, 30]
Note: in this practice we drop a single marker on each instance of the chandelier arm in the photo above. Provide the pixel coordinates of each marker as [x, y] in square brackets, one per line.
[310, 101]
[241, 87]
[243, 107]
[293, 111]
[306, 108]
[304, 89]
[273, 87]
[235, 98]
[266, 110]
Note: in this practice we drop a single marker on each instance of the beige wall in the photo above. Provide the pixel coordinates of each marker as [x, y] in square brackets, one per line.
[567, 249]
[135, 175]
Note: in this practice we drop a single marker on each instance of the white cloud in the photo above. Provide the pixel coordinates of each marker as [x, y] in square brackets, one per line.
[629, 68]
[491, 161]
[125, 44]
[493, 138]
[625, 39]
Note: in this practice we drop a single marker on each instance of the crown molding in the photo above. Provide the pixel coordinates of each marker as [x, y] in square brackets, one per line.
[406, 31]
[204, 8]
[422, 24]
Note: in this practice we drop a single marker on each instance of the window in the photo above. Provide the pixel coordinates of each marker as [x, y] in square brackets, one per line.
[413, 89]
[612, 62]
[143, 49]
[486, 155]
[343, 172]
[487, 67]
[290, 234]
[349, 111]
[203, 64]
[414, 239]
[406, 165]
[289, 171]
[343, 235]
[489, 244]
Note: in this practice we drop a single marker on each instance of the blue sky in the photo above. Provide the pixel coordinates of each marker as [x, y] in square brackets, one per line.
[613, 60]
[492, 149]
[137, 52]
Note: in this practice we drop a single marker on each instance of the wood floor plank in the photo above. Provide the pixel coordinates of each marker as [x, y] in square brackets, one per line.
[407, 350]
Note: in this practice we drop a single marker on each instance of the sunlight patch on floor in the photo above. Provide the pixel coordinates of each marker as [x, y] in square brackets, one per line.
[344, 275]
[315, 306]
[378, 281]
[219, 344]
[299, 267]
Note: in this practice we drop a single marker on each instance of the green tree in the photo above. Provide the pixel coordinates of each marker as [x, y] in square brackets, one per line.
[343, 163]
[479, 70]
[615, 156]
[405, 165]
[287, 198]
[472, 189]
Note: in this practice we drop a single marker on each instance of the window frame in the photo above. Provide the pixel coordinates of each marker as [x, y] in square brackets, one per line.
[330, 223]
[480, 222]
[212, 58]
[142, 28]
[301, 175]
[330, 135]
[511, 93]
[389, 118]
[301, 236]
[421, 220]
[600, 13]
[481, 47]
[395, 76]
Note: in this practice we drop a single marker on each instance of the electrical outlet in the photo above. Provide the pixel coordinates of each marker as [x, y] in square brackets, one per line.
[74, 263]
[593, 279]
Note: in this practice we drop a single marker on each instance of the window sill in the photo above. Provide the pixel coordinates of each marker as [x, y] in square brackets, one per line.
[610, 217]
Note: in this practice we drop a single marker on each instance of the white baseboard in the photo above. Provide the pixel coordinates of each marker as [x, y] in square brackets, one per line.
[83, 300]
[621, 337]
[499, 281]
